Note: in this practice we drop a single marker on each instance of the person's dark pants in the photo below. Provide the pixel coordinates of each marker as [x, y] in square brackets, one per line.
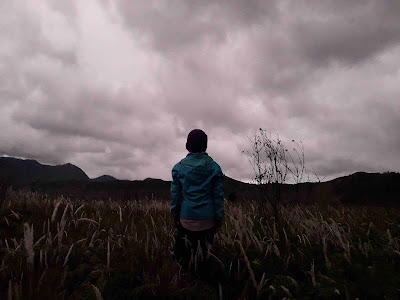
[191, 248]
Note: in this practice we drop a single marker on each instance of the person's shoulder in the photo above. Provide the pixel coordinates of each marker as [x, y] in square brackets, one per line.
[178, 165]
[184, 160]
[215, 165]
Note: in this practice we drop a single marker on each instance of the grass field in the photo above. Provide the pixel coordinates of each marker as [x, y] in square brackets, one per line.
[64, 249]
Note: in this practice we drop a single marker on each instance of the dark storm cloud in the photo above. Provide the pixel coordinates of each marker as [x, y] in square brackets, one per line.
[175, 24]
[349, 35]
[116, 86]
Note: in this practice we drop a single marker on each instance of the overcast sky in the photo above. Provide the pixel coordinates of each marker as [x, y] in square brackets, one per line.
[114, 87]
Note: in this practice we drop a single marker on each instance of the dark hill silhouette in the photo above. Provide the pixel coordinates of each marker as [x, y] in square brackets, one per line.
[361, 188]
[126, 189]
[104, 178]
[18, 172]
[368, 188]
[71, 181]
[378, 189]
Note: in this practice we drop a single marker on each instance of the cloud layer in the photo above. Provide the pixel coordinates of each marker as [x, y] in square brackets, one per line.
[115, 86]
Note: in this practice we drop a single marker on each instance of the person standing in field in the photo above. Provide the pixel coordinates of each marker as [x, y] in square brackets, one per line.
[197, 201]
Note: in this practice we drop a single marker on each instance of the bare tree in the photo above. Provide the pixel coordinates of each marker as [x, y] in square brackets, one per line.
[269, 161]
[296, 166]
[312, 171]
[272, 162]
[317, 177]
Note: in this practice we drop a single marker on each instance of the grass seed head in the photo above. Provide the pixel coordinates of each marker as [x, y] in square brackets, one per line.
[28, 241]
[53, 216]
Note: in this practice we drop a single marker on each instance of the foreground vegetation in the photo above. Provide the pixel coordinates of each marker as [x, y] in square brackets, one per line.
[64, 249]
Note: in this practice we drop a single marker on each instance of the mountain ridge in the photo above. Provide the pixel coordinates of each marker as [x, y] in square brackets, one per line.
[104, 178]
[360, 188]
[18, 172]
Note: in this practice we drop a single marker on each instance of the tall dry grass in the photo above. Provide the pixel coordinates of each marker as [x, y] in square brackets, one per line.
[113, 250]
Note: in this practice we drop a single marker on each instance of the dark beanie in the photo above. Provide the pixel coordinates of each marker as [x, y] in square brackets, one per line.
[196, 141]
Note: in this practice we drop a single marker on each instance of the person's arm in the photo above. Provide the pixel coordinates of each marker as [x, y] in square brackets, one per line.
[176, 195]
[219, 195]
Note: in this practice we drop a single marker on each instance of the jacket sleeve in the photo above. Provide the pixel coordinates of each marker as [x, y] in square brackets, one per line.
[219, 195]
[176, 194]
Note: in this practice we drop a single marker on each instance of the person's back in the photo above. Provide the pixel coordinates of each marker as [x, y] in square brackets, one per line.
[197, 197]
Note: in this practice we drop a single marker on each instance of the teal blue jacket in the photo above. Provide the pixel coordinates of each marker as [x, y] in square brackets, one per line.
[196, 189]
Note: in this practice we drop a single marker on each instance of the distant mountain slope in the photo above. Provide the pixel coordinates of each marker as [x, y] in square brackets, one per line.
[379, 189]
[126, 189]
[357, 189]
[104, 178]
[368, 188]
[20, 172]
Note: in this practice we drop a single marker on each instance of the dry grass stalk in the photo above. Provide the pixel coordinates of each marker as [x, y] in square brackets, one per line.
[16, 244]
[53, 216]
[63, 218]
[292, 280]
[97, 292]
[45, 259]
[88, 220]
[41, 279]
[327, 278]
[246, 259]
[286, 290]
[267, 251]
[39, 240]
[10, 290]
[15, 214]
[389, 235]
[230, 268]
[79, 208]
[28, 241]
[218, 260]
[108, 253]
[276, 250]
[62, 225]
[273, 290]
[287, 260]
[325, 250]
[286, 238]
[261, 284]
[49, 240]
[371, 225]
[67, 257]
[81, 240]
[301, 241]
[239, 226]
[312, 274]
[346, 247]
[120, 214]
[305, 238]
